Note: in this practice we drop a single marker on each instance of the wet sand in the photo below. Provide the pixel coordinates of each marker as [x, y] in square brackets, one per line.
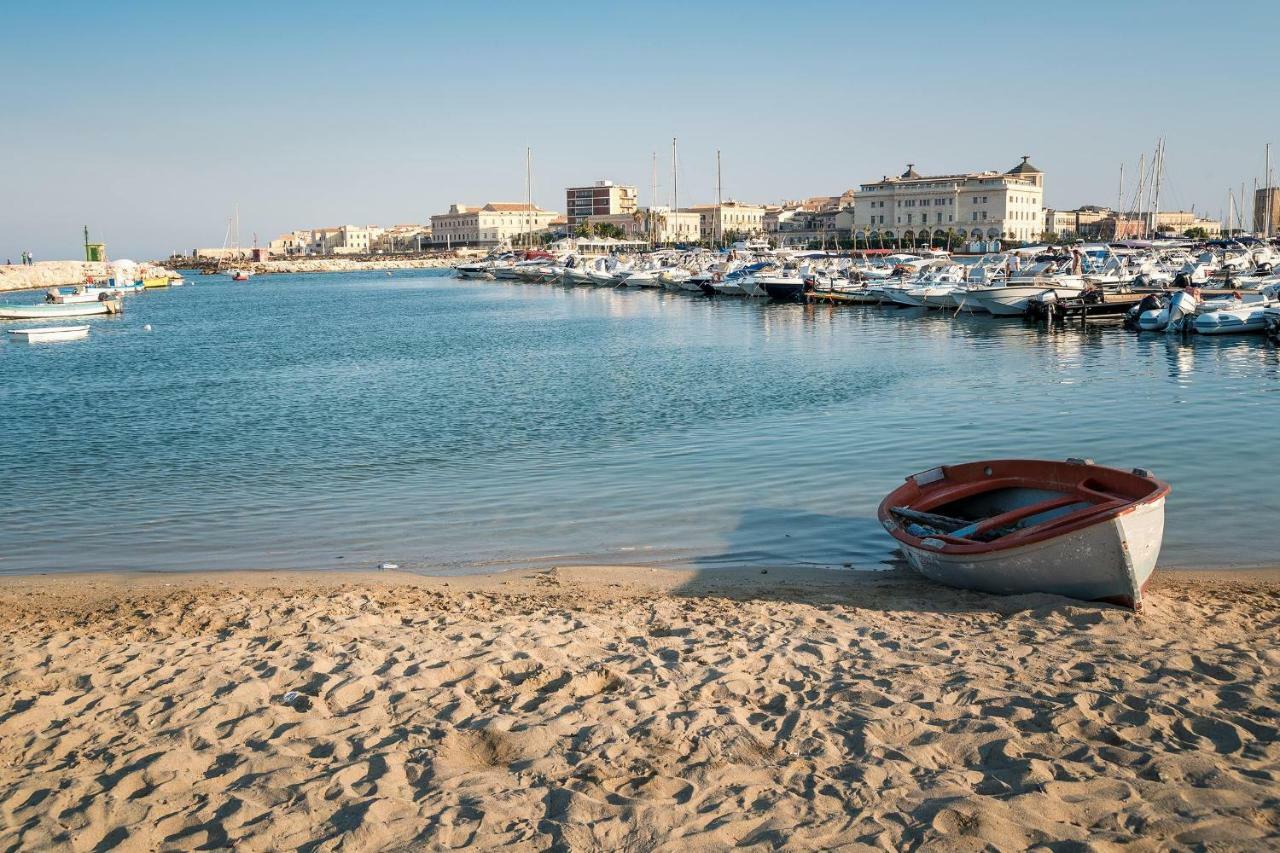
[633, 709]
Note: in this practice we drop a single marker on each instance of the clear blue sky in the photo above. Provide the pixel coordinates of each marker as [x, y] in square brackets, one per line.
[150, 121]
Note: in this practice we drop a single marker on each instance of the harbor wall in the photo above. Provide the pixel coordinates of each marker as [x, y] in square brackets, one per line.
[44, 274]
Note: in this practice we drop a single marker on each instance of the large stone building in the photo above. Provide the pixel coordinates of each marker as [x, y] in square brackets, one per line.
[603, 198]
[494, 224]
[974, 205]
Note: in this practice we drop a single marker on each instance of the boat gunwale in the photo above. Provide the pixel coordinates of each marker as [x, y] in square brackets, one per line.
[1083, 520]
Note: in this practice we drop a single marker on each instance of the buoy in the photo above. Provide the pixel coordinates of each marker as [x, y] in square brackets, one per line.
[146, 328]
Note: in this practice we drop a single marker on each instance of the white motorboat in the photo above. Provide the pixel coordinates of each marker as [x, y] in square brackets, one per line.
[1011, 299]
[1017, 526]
[49, 334]
[40, 311]
[1171, 318]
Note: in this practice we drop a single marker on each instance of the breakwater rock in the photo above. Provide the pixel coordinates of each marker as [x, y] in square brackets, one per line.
[44, 274]
[309, 265]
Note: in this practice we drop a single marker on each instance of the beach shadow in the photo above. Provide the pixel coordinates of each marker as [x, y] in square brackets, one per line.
[796, 557]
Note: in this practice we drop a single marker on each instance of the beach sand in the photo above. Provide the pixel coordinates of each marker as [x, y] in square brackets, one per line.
[633, 709]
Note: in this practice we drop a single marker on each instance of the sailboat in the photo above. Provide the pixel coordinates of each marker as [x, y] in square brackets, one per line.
[233, 229]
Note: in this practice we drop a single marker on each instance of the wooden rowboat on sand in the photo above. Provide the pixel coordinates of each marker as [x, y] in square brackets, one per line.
[1023, 525]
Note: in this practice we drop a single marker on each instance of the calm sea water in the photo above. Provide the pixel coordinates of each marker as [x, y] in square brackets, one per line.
[332, 421]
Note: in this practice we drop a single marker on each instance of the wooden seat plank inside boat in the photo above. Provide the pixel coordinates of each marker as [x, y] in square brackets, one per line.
[1016, 508]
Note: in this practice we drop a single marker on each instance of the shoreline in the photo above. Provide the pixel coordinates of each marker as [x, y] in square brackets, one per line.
[16, 278]
[631, 708]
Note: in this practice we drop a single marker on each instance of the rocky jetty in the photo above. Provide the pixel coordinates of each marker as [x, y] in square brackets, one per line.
[44, 274]
[308, 265]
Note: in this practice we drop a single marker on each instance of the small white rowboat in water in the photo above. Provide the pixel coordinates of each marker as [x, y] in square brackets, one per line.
[49, 333]
[1022, 525]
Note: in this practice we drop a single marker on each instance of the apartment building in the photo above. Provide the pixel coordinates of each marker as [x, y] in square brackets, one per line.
[602, 198]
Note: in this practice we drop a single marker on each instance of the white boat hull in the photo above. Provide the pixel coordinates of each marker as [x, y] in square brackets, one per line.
[49, 334]
[1235, 321]
[43, 310]
[1012, 301]
[1111, 561]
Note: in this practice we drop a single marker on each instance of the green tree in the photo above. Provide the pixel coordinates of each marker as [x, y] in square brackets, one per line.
[1196, 233]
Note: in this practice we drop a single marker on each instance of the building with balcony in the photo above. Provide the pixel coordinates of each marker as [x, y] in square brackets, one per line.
[728, 218]
[974, 205]
[603, 198]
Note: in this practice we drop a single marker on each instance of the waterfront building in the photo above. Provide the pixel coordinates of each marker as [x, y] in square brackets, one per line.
[728, 218]
[976, 205]
[491, 225]
[681, 227]
[603, 198]
[334, 240]
[830, 226]
[1088, 222]
[1136, 226]
[403, 238]
[1262, 199]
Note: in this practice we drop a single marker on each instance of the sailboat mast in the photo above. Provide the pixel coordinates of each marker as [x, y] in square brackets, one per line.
[528, 196]
[675, 187]
[719, 212]
[1266, 177]
[653, 197]
[1120, 192]
[1155, 206]
[1142, 181]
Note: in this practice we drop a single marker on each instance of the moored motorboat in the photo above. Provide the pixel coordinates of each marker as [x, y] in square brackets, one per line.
[39, 311]
[1014, 526]
[1011, 300]
[48, 334]
[783, 288]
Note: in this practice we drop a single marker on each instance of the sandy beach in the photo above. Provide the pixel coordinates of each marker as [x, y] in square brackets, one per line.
[633, 709]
